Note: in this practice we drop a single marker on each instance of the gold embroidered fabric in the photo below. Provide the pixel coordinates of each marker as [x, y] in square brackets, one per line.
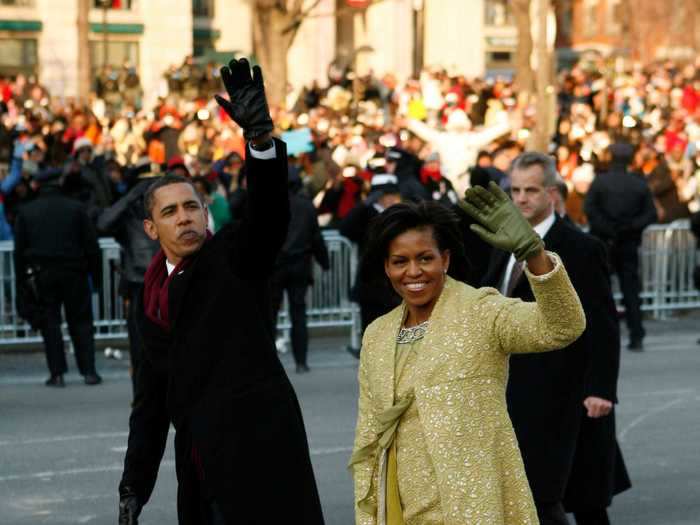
[470, 470]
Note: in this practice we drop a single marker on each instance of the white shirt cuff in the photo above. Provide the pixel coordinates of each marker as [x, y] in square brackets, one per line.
[267, 154]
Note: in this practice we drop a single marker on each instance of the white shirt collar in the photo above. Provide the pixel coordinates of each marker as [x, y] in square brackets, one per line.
[169, 266]
[543, 228]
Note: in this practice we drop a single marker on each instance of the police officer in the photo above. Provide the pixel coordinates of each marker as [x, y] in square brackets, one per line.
[55, 239]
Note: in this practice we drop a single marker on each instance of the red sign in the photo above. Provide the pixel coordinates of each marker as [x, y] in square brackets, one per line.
[358, 4]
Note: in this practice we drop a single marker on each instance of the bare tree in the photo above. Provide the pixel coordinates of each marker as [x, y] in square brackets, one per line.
[524, 75]
[83, 49]
[275, 25]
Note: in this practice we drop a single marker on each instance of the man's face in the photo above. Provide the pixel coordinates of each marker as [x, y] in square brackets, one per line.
[529, 194]
[179, 221]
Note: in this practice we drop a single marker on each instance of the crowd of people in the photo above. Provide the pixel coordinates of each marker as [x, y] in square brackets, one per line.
[477, 239]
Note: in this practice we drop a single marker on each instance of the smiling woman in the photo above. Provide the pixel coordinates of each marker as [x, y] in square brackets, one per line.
[434, 443]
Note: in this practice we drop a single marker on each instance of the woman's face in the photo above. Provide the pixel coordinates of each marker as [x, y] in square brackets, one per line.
[416, 267]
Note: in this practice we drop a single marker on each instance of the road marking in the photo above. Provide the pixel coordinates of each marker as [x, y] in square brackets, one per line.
[625, 395]
[116, 467]
[119, 467]
[59, 439]
[640, 419]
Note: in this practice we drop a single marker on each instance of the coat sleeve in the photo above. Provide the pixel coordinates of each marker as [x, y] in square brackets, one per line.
[148, 433]
[20, 246]
[266, 217]
[91, 246]
[597, 217]
[592, 281]
[647, 214]
[364, 434]
[554, 321]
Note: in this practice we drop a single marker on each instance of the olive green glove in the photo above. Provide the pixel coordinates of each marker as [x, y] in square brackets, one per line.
[503, 225]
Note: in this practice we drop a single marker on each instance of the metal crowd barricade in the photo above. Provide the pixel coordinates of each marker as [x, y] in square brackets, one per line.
[328, 303]
[668, 256]
[328, 299]
[107, 303]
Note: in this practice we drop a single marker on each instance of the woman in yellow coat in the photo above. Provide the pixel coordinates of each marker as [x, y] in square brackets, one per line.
[434, 444]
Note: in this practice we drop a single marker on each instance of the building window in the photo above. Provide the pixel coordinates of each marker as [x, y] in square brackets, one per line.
[118, 54]
[203, 8]
[17, 3]
[119, 5]
[18, 55]
[590, 18]
[498, 13]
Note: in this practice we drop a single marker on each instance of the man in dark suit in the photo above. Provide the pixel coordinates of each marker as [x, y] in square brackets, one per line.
[619, 205]
[210, 367]
[562, 403]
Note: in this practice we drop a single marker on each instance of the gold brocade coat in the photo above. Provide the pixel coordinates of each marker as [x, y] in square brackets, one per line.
[460, 396]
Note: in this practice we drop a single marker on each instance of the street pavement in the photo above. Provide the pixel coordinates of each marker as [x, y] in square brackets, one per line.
[61, 451]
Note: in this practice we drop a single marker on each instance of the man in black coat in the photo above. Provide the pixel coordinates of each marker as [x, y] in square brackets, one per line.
[56, 241]
[294, 269]
[562, 403]
[374, 299]
[210, 367]
[619, 205]
[124, 220]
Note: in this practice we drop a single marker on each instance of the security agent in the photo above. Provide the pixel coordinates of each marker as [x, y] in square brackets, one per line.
[55, 240]
[619, 205]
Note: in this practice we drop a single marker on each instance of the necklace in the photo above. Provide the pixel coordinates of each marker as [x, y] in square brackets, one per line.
[412, 334]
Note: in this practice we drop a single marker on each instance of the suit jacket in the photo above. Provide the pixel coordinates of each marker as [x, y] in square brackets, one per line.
[216, 377]
[460, 395]
[546, 391]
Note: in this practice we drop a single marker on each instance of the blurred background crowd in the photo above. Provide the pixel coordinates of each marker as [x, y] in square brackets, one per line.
[438, 133]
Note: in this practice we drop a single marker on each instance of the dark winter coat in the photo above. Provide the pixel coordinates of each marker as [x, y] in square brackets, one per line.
[217, 378]
[355, 226]
[54, 231]
[124, 220]
[546, 391]
[304, 240]
[619, 206]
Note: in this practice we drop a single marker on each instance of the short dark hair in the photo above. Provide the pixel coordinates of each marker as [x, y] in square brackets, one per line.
[397, 219]
[149, 197]
[535, 158]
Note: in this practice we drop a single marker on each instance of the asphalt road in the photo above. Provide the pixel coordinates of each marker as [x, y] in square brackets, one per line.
[61, 451]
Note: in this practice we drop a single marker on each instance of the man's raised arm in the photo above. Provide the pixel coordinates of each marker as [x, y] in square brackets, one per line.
[266, 216]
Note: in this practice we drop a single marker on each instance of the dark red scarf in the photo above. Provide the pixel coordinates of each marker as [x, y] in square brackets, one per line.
[155, 287]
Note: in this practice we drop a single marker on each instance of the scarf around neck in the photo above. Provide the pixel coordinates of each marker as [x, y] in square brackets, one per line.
[156, 283]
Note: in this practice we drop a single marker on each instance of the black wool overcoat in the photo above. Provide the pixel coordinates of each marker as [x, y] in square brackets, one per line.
[240, 439]
[546, 391]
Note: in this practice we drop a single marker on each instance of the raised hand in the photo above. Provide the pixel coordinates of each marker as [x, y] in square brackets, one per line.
[247, 104]
[502, 224]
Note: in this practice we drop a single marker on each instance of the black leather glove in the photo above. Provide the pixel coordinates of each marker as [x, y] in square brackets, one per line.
[247, 105]
[129, 507]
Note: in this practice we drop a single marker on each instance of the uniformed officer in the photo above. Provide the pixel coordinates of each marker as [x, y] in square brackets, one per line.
[56, 241]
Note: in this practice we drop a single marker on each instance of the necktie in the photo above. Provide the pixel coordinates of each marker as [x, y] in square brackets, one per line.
[515, 275]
